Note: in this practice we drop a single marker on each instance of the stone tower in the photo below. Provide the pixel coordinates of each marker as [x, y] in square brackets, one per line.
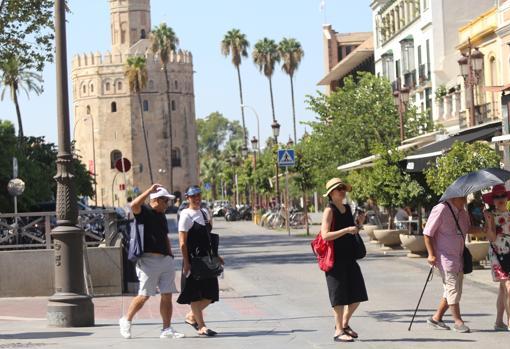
[107, 115]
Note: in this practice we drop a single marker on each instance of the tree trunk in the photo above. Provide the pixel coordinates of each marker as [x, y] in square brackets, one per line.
[277, 187]
[242, 104]
[272, 99]
[145, 137]
[18, 114]
[293, 107]
[170, 134]
[305, 204]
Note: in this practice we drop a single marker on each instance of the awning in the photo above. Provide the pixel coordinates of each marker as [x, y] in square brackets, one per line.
[420, 159]
[496, 88]
[347, 65]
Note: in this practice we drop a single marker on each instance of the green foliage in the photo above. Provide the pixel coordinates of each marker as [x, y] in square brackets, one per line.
[291, 54]
[214, 132]
[37, 167]
[460, 160]
[266, 55]
[235, 44]
[164, 40]
[26, 31]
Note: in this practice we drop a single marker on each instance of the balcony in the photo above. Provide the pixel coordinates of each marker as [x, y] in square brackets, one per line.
[410, 79]
[395, 85]
[424, 73]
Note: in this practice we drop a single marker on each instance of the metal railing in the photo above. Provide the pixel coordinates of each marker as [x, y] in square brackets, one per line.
[410, 79]
[32, 230]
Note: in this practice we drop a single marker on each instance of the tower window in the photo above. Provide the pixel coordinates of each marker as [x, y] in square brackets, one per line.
[115, 155]
[84, 88]
[107, 86]
[91, 88]
[151, 84]
[119, 85]
[88, 109]
[176, 84]
[114, 107]
[145, 105]
[142, 34]
[173, 105]
[176, 157]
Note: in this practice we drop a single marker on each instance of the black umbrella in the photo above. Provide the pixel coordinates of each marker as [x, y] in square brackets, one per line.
[475, 181]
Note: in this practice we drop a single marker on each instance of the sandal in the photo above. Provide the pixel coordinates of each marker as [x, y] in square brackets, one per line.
[350, 332]
[192, 324]
[208, 333]
[338, 339]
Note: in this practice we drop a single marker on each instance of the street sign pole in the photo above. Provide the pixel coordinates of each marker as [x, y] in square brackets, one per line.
[287, 200]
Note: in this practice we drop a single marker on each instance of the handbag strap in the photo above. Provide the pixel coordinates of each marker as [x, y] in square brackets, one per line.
[456, 221]
[206, 221]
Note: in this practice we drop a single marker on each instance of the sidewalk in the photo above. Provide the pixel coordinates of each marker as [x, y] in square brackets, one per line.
[274, 296]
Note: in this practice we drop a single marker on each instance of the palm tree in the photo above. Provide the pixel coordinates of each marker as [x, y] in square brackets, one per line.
[136, 73]
[164, 41]
[16, 77]
[235, 44]
[210, 170]
[266, 55]
[291, 53]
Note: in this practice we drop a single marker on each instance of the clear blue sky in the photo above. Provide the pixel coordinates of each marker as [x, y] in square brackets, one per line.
[200, 25]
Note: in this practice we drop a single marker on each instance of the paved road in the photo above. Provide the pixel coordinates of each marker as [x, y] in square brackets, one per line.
[274, 296]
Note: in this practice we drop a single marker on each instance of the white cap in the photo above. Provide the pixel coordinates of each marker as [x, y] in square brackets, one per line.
[162, 192]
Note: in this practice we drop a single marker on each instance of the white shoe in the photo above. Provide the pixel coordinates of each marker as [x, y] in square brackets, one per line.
[125, 328]
[169, 332]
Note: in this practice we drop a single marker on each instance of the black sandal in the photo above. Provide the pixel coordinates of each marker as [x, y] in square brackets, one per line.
[350, 332]
[192, 324]
[338, 339]
[208, 333]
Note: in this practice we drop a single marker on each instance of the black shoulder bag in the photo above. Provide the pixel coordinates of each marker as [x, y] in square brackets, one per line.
[503, 259]
[468, 259]
[206, 267]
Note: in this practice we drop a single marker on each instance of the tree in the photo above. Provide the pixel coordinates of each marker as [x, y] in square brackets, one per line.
[15, 77]
[291, 54]
[210, 170]
[265, 56]
[26, 32]
[164, 41]
[136, 73]
[235, 44]
[214, 132]
[460, 160]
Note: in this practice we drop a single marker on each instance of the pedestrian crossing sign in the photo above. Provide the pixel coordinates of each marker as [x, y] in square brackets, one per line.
[286, 157]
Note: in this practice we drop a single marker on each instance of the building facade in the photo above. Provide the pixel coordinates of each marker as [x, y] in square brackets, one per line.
[108, 115]
[345, 54]
[416, 47]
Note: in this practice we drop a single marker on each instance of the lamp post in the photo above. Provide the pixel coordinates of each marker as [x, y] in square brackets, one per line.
[69, 306]
[275, 126]
[471, 65]
[233, 161]
[258, 121]
[254, 146]
[401, 97]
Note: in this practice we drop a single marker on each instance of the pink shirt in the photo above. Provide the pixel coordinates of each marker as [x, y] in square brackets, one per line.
[448, 243]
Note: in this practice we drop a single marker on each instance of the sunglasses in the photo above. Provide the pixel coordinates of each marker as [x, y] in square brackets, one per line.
[165, 200]
[341, 188]
[502, 196]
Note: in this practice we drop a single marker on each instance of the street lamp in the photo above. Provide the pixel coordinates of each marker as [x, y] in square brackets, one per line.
[275, 126]
[244, 151]
[401, 97]
[69, 306]
[233, 161]
[471, 66]
[258, 120]
[290, 143]
[254, 146]
[254, 143]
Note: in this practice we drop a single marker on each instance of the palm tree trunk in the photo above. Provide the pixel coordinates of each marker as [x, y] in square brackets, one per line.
[169, 107]
[18, 114]
[145, 137]
[293, 107]
[277, 187]
[242, 104]
[272, 99]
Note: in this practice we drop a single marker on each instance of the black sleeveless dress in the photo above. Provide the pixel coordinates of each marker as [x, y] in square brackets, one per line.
[195, 290]
[345, 281]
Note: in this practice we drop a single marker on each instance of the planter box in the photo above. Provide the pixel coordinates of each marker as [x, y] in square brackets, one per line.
[479, 250]
[369, 230]
[415, 244]
[388, 237]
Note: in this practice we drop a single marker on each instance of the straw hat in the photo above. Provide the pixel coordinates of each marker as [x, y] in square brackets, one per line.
[334, 183]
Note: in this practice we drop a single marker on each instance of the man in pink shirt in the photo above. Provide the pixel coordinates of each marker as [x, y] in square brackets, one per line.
[445, 246]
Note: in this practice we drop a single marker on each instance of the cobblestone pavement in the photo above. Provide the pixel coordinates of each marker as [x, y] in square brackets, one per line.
[274, 296]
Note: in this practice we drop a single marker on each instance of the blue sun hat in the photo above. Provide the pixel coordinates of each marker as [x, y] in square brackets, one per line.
[193, 190]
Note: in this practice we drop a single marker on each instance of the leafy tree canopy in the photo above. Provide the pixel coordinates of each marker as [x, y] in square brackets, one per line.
[215, 131]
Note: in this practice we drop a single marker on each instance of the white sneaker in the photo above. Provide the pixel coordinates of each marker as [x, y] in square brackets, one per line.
[169, 332]
[125, 327]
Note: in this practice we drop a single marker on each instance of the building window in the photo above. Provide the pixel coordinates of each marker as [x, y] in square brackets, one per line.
[142, 34]
[114, 107]
[88, 109]
[176, 84]
[145, 105]
[114, 156]
[176, 157]
[91, 88]
[151, 84]
[107, 86]
[84, 88]
[173, 105]
[119, 85]
[425, 4]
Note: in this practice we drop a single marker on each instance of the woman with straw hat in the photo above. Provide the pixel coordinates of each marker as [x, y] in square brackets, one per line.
[346, 285]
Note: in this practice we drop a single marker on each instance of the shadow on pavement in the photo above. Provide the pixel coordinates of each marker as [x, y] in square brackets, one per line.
[262, 333]
[405, 315]
[420, 340]
[44, 335]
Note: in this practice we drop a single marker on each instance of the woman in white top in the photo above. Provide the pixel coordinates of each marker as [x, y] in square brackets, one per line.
[194, 240]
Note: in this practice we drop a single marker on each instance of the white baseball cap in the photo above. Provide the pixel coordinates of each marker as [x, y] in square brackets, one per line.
[162, 192]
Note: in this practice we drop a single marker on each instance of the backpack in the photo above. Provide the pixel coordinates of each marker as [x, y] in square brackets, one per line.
[135, 250]
[324, 250]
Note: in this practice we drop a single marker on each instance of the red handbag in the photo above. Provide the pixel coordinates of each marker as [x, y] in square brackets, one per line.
[324, 251]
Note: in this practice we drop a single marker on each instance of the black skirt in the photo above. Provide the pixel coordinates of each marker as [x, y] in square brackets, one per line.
[195, 290]
[346, 284]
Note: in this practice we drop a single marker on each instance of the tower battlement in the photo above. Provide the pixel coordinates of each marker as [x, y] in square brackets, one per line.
[87, 60]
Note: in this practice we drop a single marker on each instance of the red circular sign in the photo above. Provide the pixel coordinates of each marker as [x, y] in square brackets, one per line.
[127, 165]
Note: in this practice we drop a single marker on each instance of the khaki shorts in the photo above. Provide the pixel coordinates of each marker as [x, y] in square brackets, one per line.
[452, 285]
[155, 272]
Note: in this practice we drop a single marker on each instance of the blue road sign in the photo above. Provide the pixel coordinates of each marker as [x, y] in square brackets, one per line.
[286, 157]
[207, 186]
